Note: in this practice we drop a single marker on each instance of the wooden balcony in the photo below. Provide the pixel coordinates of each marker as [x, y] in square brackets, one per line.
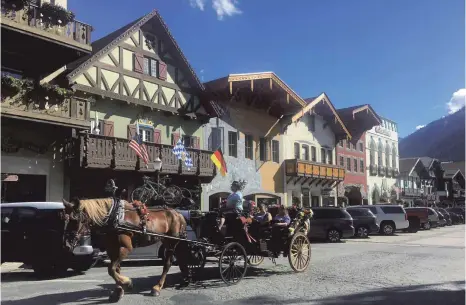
[303, 168]
[29, 20]
[71, 112]
[96, 151]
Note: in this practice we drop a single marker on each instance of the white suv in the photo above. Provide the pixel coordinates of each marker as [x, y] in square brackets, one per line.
[390, 217]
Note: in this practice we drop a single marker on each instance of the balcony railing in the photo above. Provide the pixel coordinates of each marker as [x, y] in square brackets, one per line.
[303, 168]
[30, 16]
[373, 169]
[96, 151]
[411, 192]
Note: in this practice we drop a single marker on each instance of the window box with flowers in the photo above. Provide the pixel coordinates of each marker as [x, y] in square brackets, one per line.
[53, 14]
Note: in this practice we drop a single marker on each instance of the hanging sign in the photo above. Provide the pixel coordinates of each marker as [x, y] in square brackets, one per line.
[383, 131]
[145, 122]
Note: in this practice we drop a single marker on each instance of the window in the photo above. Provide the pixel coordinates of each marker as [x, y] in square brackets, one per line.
[232, 143]
[215, 138]
[296, 150]
[340, 143]
[275, 151]
[263, 149]
[147, 134]
[380, 153]
[323, 156]
[348, 144]
[189, 142]
[342, 161]
[387, 154]
[393, 156]
[150, 67]
[361, 146]
[313, 154]
[248, 151]
[392, 210]
[355, 212]
[373, 210]
[312, 122]
[372, 151]
[348, 164]
[330, 156]
[355, 165]
[361, 166]
[305, 152]
[97, 129]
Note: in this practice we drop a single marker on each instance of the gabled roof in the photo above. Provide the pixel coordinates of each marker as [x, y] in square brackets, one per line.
[105, 44]
[453, 168]
[427, 162]
[359, 119]
[407, 165]
[315, 104]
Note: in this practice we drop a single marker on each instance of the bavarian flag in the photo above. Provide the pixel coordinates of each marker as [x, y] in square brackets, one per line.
[217, 158]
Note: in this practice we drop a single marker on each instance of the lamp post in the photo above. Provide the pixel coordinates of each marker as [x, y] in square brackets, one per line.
[157, 167]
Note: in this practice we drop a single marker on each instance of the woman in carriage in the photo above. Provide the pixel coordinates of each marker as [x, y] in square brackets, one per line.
[234, 203]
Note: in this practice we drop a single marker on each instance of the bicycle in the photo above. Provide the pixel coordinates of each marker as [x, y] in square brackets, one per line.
[150, 190]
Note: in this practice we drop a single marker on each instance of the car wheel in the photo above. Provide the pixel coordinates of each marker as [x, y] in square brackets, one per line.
[362, 232]
[388, 229]
[333, 235]
[427, 226]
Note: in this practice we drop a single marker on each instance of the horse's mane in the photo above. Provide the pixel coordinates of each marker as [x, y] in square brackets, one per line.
[96, 209]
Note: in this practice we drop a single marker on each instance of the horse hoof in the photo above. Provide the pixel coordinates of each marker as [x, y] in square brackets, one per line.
[116, 295]
[155, 293]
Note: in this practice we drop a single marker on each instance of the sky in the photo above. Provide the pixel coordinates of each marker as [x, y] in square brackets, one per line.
[405, 58]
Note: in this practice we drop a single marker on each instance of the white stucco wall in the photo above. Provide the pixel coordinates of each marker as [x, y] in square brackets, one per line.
[322, 137]
[387, 132]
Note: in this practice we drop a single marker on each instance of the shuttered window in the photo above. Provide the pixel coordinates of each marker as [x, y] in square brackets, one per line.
[276, 151]
[215, 138]
[146, 65]
[153, 67]
[162, 70]
[248, 151]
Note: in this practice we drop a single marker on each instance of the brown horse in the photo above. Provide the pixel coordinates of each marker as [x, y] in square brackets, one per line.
[83, 214]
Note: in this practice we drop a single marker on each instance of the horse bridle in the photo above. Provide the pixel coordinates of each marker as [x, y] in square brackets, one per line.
[83, 225]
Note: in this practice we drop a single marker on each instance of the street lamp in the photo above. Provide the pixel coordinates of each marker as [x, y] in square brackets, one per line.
[157, 167]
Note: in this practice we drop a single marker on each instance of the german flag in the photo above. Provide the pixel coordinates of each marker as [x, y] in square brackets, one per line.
[219, 161]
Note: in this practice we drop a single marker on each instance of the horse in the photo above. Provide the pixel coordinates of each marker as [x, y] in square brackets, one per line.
[82, 215]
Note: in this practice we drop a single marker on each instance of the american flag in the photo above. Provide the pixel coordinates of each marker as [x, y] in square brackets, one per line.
[139, 147]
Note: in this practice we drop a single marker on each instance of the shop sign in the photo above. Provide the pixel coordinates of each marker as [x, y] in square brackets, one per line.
[383, 131]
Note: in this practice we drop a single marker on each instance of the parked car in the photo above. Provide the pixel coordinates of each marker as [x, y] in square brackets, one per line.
[457, 216]
[33, 234]
[418, 218]
[441, 218]
[434, 219]
[389, 217]
[458, 210]
[447, 216]
[331, 223]
[364, 222]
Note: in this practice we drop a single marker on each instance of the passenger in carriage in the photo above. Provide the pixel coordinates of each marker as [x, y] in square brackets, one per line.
[234, 205]
[282, 219]
[262, 216]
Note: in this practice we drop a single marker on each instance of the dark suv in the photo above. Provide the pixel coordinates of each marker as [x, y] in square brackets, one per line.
[364, 222]
[331, 223]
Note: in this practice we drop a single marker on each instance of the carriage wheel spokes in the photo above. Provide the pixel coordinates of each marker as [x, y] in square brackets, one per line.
[299, 254]
[255, 260]
[233, 263]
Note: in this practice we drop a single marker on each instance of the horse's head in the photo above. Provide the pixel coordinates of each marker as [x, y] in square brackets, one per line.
[77, 223]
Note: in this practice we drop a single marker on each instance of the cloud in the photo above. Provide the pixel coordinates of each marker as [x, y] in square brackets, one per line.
[457, 101]
[222, 7]
[420, 126]
[198, 3]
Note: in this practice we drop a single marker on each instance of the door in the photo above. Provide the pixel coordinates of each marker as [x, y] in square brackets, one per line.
[315, 201]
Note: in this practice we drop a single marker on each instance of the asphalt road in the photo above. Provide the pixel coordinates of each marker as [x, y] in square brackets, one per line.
[423, 268]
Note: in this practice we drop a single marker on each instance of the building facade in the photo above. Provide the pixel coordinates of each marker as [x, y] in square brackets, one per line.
[383, 162]
[38, 113]
[137, 76]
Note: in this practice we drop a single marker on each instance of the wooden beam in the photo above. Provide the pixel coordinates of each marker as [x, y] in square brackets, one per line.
[306, 179]
[312, 181]
[319, 182]
[231, 87]
[52, 75]
[297, 180]
[287, 98]
[271, 84]
[289, 179]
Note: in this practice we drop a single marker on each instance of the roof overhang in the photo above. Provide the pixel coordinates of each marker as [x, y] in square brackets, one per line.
[323, 107]
[263, 90]
[359, 119]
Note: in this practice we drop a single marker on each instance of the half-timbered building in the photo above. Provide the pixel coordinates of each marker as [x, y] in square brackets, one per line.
[138, 76]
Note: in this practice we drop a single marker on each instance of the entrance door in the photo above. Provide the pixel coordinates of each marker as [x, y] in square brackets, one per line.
[315, 201]
[28, 188]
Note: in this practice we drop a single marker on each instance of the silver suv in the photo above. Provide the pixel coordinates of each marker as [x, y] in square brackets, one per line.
[390, 217]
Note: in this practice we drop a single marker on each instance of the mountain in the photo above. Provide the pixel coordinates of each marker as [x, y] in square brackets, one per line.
[442, 139]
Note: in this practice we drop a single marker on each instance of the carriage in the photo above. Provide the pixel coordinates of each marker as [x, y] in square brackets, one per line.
[131, 224]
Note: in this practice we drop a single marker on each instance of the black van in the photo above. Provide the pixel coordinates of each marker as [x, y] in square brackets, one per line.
[33, 234]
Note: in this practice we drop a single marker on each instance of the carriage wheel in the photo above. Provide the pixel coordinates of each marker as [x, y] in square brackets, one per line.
[233, 263]
[255, 260]
[299, 254]
[143, 194]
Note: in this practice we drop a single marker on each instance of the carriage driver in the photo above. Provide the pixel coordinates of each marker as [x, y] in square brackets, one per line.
[234, 202]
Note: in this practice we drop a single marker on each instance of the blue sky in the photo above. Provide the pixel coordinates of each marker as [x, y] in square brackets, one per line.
[405, 58]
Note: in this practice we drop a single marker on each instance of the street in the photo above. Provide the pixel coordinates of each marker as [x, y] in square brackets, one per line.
[423, 268]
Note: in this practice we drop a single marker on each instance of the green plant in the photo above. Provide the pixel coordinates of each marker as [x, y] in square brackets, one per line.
[56, 14]
[54, 92]
[12, 85]
[14, 4]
